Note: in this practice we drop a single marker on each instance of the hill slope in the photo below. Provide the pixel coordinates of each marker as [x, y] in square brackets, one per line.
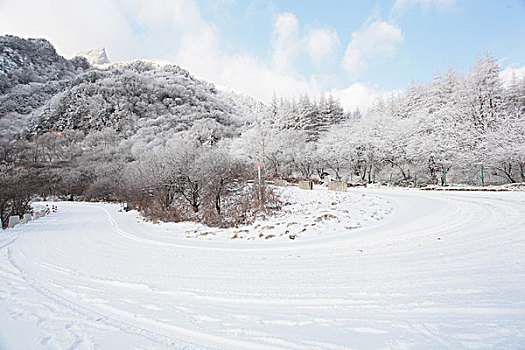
[139, 99]
[135, 96]
[31, 72]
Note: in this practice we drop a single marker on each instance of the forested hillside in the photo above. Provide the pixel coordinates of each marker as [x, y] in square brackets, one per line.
[179, 148]
[31, 72]
[155, 102]
[72, 130]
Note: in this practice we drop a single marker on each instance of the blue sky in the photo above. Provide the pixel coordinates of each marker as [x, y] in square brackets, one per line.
[357, 50]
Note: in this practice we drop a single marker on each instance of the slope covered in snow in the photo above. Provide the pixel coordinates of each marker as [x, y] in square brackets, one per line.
[139, 99]
[304, 215]
[42, 89]
[31, 72]
[441, 271]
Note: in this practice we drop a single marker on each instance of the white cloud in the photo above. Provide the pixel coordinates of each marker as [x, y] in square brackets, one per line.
[320, 45]
[245, 72]
[510, 72]
[376, 40]
[360, 95]
[286, 41]
[154, 14]
[286, 25]
[401, 5]
[249, 74]
[70, 27]
[175, 31]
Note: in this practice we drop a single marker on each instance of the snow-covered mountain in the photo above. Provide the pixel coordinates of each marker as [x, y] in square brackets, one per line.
[23, 61]
[31, 72]
[139, 98]
[86, 93]
[95, 56]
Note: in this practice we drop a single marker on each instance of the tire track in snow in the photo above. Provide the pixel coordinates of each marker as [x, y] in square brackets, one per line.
[419, 307]
[88, 313]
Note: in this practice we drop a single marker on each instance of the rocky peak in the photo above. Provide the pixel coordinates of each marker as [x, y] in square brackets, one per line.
[95, 56]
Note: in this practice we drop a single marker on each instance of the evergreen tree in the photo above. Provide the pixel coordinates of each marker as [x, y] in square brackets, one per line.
[307, 114]
[484, 93]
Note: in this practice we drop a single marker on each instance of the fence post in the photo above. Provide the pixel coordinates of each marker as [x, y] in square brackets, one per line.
[482, 178]
[306, 185]
[26, 218]
[13, 221]
[415, 180]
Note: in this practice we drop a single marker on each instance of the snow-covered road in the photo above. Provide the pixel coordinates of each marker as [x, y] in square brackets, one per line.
[442, 271]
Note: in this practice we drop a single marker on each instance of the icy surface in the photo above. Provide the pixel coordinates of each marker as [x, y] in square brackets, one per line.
[443, 270]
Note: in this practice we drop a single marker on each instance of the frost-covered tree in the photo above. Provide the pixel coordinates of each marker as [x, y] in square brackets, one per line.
[307, 116]
[219, 170]
[484, 93]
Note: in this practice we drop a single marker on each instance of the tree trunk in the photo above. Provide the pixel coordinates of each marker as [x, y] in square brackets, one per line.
[218, 204]
[218, 197]
[506, 169]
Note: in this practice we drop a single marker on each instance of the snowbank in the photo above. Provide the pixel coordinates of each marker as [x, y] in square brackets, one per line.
[306, 214]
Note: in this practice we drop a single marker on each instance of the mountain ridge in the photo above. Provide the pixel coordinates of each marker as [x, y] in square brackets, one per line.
[47, 92]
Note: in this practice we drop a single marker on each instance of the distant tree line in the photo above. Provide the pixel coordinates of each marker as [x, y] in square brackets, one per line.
[312, 117]
[179, 149]
[461, 128]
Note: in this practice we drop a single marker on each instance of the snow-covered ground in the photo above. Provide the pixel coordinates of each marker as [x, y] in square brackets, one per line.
[304, 215]
[441, 270]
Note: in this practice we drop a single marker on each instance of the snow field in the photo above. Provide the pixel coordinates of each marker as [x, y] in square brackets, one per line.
[441, 270]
